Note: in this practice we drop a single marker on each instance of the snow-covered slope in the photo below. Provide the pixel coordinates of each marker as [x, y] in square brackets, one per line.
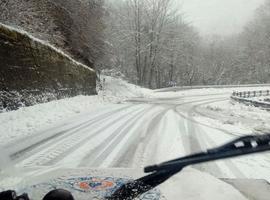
[115, 89]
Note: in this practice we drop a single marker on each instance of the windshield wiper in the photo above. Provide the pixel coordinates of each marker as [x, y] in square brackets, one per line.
[162, 172]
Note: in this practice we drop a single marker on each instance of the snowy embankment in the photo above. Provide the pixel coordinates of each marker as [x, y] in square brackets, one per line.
[29, 120]
[263, 101]
[253, 98]
[235, 115]
[205, 91]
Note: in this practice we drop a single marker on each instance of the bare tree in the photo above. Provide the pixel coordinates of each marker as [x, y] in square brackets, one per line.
[145, 37]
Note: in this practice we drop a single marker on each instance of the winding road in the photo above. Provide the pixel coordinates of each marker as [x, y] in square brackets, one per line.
[131, 135]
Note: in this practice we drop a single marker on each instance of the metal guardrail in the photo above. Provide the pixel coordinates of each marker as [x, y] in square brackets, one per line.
[246, 98]
[249, 94]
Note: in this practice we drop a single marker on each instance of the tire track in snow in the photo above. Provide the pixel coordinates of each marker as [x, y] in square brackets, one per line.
[134, 154]
[195, 110]
[102, 156]
[135, 148]
[88, 157]
[190, 117]
[68, 149]
[228, 163]
[194, 140]
[23, 148]
[236, 165]
[203, 138]
[197, 144]
[127, 159]
[50, 151]
[235, 171]
[153, 100]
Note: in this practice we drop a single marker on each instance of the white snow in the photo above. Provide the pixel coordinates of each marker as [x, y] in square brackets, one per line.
[118, 90]
[29, 120]
[264, 99]
[109, 131]
[208, 91]
[194, 185]
[237, 114]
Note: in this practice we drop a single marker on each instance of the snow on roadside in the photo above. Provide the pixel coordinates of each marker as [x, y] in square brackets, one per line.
[231, 115]
[115, 89]
[234, 113]
[264, 99]
[205, 91]
[28, 120]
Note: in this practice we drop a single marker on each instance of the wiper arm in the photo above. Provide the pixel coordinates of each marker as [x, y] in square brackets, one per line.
[239, 147]
[162, 172]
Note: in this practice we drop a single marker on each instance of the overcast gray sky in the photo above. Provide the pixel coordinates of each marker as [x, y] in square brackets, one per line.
[222, 17]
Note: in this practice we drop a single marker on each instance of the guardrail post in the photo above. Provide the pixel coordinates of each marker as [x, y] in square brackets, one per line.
[246, 94]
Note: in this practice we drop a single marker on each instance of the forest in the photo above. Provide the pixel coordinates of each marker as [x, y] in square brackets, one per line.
[152, 45]
[149, 43]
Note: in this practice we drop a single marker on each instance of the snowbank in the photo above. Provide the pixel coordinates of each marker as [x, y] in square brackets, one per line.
[115, 89]
[204, 91]
[27, 120]
[238, 114]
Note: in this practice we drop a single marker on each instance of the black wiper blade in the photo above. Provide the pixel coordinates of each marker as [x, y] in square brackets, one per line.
[137, 187]
[239, 147]
[162, 172]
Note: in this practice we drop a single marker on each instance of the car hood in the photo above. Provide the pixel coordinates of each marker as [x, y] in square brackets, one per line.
[190, 184]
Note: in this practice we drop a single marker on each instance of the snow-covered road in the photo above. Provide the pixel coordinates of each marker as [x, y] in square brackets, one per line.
[140, 132]
[125, 128]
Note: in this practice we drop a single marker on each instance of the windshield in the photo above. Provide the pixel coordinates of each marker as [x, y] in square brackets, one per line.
[93, 91]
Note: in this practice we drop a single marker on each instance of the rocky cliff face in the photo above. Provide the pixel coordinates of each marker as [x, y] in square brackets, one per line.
[75, 26]
[34, 72]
